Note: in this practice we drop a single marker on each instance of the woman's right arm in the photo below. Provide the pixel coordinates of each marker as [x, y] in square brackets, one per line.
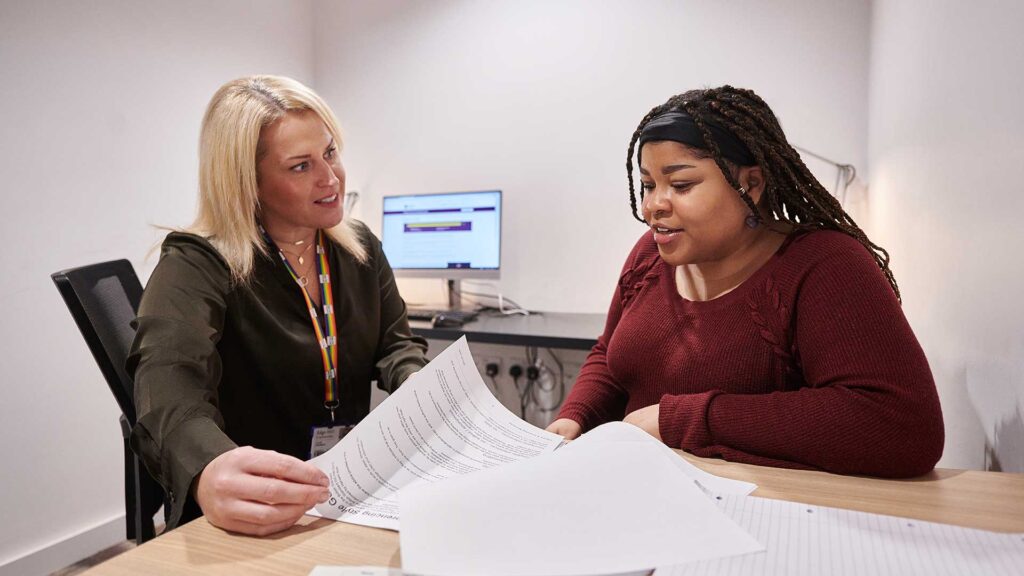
[179, 431]
[176, 367]
[595, 397]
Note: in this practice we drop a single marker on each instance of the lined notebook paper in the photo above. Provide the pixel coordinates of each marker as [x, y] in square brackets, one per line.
[813, 540]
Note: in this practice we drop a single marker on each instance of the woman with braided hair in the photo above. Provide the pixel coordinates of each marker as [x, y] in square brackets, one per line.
[754, 320]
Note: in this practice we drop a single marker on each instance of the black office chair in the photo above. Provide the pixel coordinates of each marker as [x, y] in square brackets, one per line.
[103, 299]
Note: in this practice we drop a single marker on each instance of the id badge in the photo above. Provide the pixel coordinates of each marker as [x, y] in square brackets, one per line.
[325, 437]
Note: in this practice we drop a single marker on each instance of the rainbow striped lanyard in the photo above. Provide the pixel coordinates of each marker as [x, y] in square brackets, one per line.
[325, 328]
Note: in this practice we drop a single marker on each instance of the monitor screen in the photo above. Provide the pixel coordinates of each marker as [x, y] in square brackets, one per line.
[450, 235]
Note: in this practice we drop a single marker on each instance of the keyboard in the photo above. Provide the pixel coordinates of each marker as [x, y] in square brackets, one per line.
[429, 313]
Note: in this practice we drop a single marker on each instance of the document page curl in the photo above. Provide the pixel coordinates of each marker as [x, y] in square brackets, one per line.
[441, 423]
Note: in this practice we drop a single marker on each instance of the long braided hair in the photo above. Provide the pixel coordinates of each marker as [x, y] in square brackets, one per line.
[792, 193]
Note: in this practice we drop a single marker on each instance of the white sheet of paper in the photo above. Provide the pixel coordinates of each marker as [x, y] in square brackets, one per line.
[355, 571]
[808, 540]
[622, 432]
[441, 423]
[600, 508]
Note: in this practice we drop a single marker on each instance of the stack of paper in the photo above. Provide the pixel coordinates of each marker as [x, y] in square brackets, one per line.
[599, 508]
[803, 539]
[442, 423]
[483, 492]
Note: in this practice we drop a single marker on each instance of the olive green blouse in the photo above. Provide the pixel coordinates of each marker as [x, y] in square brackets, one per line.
[219, 365]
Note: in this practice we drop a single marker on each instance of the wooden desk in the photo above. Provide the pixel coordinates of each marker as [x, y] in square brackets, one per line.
[988, 500]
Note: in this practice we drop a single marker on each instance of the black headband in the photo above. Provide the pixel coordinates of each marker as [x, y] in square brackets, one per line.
[678, 126]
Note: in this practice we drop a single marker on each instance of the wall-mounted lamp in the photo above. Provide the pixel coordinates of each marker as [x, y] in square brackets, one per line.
[351, 197]
[845, 174]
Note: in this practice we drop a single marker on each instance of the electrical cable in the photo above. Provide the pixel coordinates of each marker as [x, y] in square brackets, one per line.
[561, 379]
[516, 372]
[524, 396]
[481, 307]
[516, 309]
[536, 383]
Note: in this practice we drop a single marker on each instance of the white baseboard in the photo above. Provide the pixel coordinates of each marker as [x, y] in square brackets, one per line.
[66, 552]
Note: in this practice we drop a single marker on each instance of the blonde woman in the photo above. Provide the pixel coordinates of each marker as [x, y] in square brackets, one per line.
[263, 325]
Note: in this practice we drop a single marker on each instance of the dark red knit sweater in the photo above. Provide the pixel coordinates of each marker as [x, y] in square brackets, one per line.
[810, 363]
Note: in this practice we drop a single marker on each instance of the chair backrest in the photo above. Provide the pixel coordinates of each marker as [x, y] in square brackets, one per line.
[103, 299]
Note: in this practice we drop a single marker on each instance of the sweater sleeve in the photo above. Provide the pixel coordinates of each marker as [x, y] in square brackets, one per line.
[399, 352]
[177, 369]
[595, 397]
[869, 405]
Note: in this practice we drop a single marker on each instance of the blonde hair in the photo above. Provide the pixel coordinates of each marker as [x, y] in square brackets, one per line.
[228, 186]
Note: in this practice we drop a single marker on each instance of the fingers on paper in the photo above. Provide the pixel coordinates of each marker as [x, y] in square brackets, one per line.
[275, 491]
[276, 465]
[568, 429]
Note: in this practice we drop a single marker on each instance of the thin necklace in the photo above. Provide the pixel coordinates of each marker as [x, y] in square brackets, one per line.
[301, 253]
[301, 279]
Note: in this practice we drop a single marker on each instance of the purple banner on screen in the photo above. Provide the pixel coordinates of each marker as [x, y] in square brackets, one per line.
[439, 227]
[438, 210]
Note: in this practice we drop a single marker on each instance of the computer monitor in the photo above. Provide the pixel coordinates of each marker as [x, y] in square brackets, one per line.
[452, 235]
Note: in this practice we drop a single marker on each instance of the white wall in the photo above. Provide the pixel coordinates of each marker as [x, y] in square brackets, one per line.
[540, 98]
[101, 102]
[100, 106]
[947, 200]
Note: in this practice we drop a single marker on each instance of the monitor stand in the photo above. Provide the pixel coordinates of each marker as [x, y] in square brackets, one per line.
[454, 291]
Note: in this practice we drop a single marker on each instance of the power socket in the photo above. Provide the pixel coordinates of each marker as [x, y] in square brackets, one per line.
[515, 370]
[491, 369]
[490, 366]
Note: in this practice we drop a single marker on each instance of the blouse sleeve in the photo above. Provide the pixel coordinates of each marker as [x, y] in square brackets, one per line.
[177, 368]
[869, 405]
